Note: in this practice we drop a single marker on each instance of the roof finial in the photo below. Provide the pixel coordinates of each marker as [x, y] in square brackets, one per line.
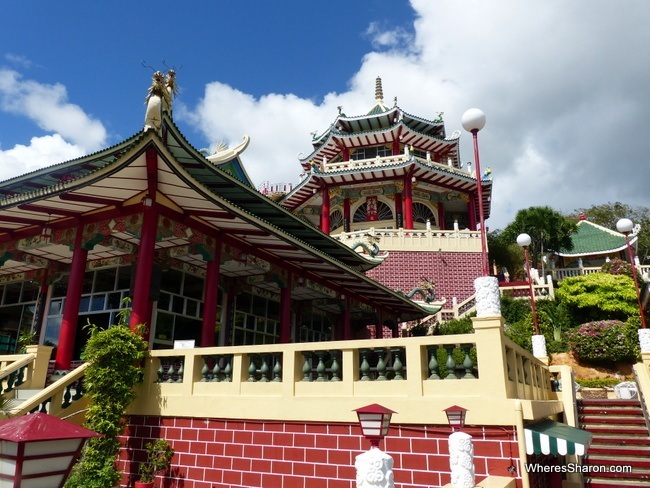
[379, 92]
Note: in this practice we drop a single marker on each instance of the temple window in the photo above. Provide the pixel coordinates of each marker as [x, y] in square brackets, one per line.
[371, 152]
[382, 212]
[256, 320]
[422, 212]
[315, 327]
[336, 220]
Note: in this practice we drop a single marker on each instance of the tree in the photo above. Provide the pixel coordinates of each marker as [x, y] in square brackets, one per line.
[548, 229]
[608, 214]
[504, 253]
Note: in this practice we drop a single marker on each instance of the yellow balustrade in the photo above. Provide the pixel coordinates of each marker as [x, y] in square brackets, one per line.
[504, 372]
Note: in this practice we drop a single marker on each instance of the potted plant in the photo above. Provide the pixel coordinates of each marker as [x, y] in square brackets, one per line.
[159, 458]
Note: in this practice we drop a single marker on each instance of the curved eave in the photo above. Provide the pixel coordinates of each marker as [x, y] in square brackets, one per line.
[595, 252]
[435, 174]
[258, 204]
[337, 140]
[32, 184]
[189, 188]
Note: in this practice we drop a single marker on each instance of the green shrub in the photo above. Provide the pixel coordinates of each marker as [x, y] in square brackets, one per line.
[514, 310]
[116, 356]
[604, 342]
[455, 326]
[618, 267]
[597, 382]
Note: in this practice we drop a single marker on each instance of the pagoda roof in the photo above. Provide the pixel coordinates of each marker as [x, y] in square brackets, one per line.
[592, 239]
[188, 189]
[383, 127]
[386, 169]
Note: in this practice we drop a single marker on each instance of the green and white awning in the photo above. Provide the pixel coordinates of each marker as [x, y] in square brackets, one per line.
[550, 437]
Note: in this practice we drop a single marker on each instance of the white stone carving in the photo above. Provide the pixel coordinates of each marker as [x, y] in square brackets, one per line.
[461, 460]
[644, 339]
[488, 298]
[539, 346]
[374, 469]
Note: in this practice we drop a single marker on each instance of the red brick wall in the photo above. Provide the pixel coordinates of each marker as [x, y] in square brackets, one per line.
[215, 453]
[452, 273]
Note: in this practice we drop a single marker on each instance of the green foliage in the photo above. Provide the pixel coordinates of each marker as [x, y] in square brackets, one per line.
[116, 356]
[159, 458]
[598, 296]
[548, 229]
[597, 382]
[618, 267]
[605, 342]
[514, 310]
[505, 253]
[26, 338]
[455, 326]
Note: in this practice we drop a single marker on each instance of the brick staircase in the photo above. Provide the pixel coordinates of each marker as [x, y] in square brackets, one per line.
[620, 438]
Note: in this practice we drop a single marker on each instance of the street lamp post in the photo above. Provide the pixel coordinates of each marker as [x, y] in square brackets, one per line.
[473, 120]
[374, 467]
[461, 450]
[524, 241]
[538, 340]
[625, 226]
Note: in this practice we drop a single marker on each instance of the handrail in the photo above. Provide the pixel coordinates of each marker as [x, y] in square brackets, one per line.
[642, 378]
[54, 394]
[306, 381]
[15, 363]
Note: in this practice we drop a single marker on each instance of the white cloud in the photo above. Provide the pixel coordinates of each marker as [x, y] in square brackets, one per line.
[73, 132]
[563, 84]
[41, 152]
[48, 106]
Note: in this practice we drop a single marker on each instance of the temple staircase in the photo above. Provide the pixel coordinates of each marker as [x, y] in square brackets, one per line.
[620, 438]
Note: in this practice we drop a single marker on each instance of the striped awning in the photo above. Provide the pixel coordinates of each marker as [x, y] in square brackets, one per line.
[550, 437]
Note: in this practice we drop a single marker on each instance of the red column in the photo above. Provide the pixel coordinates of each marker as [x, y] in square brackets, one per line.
[441, 216]
[346, 215]
[408, 203]
[399, 211]
[325, 211]
[471, 212]
[71, 310]
[210, 297]
[285, 312]
[141, 305]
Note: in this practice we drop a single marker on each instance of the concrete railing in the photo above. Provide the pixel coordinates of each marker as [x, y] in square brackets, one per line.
[326, 381]
[417, 239]
[560, 273]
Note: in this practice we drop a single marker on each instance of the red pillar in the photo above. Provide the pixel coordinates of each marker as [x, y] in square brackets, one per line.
[399, 211]
[325, 211]
[441, 216]
[141, 305]
[210, 298]
[408, 203]
[471, 212]
[285, 312]
[71, 310]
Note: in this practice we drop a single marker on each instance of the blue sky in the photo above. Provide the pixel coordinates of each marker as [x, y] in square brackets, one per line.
[564, 85]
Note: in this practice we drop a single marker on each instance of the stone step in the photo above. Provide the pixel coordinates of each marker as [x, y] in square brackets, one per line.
[606, 430]
[617, 411]
[611, 419]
